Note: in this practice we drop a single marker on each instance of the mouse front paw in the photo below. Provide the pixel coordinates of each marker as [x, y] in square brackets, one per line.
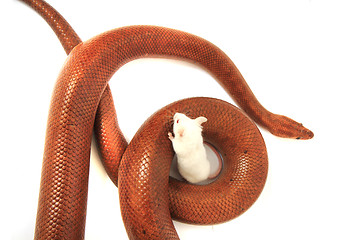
[171, 137]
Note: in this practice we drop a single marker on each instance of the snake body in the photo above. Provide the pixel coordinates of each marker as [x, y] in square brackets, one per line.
[82, 102]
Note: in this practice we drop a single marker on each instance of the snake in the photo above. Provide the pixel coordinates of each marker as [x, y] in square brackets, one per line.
[82, 105]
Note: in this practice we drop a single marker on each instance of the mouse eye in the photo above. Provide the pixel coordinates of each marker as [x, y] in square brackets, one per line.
[177, 121]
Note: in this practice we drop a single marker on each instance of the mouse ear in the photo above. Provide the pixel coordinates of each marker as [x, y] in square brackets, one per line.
[200, 120]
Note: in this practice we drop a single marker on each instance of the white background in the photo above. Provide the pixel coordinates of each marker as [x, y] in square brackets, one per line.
[301, 58]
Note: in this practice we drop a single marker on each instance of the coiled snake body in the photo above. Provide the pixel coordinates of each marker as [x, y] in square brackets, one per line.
[82, 102]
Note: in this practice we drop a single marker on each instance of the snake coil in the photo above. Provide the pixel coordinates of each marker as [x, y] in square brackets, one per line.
[82, 102]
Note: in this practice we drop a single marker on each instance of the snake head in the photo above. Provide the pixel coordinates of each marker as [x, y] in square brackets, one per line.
[283, 126]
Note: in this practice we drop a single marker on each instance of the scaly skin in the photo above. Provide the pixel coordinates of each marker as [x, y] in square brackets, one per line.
[82, 100]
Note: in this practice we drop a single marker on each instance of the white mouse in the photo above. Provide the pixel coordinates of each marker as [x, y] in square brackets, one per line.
[188, 145]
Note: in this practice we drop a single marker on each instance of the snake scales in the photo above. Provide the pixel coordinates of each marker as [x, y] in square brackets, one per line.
[82, 103]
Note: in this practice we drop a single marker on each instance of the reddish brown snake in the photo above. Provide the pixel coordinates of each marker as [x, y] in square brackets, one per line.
[82, 102]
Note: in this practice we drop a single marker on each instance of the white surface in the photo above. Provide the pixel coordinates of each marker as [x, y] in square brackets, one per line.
[301, 59]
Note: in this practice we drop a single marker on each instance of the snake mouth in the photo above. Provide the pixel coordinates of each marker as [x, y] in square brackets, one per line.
[306, 134]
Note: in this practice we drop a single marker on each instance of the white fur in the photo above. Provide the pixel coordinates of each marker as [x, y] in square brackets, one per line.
[188, 145]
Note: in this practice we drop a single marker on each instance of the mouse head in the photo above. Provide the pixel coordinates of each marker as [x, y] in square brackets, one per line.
[187, 127]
